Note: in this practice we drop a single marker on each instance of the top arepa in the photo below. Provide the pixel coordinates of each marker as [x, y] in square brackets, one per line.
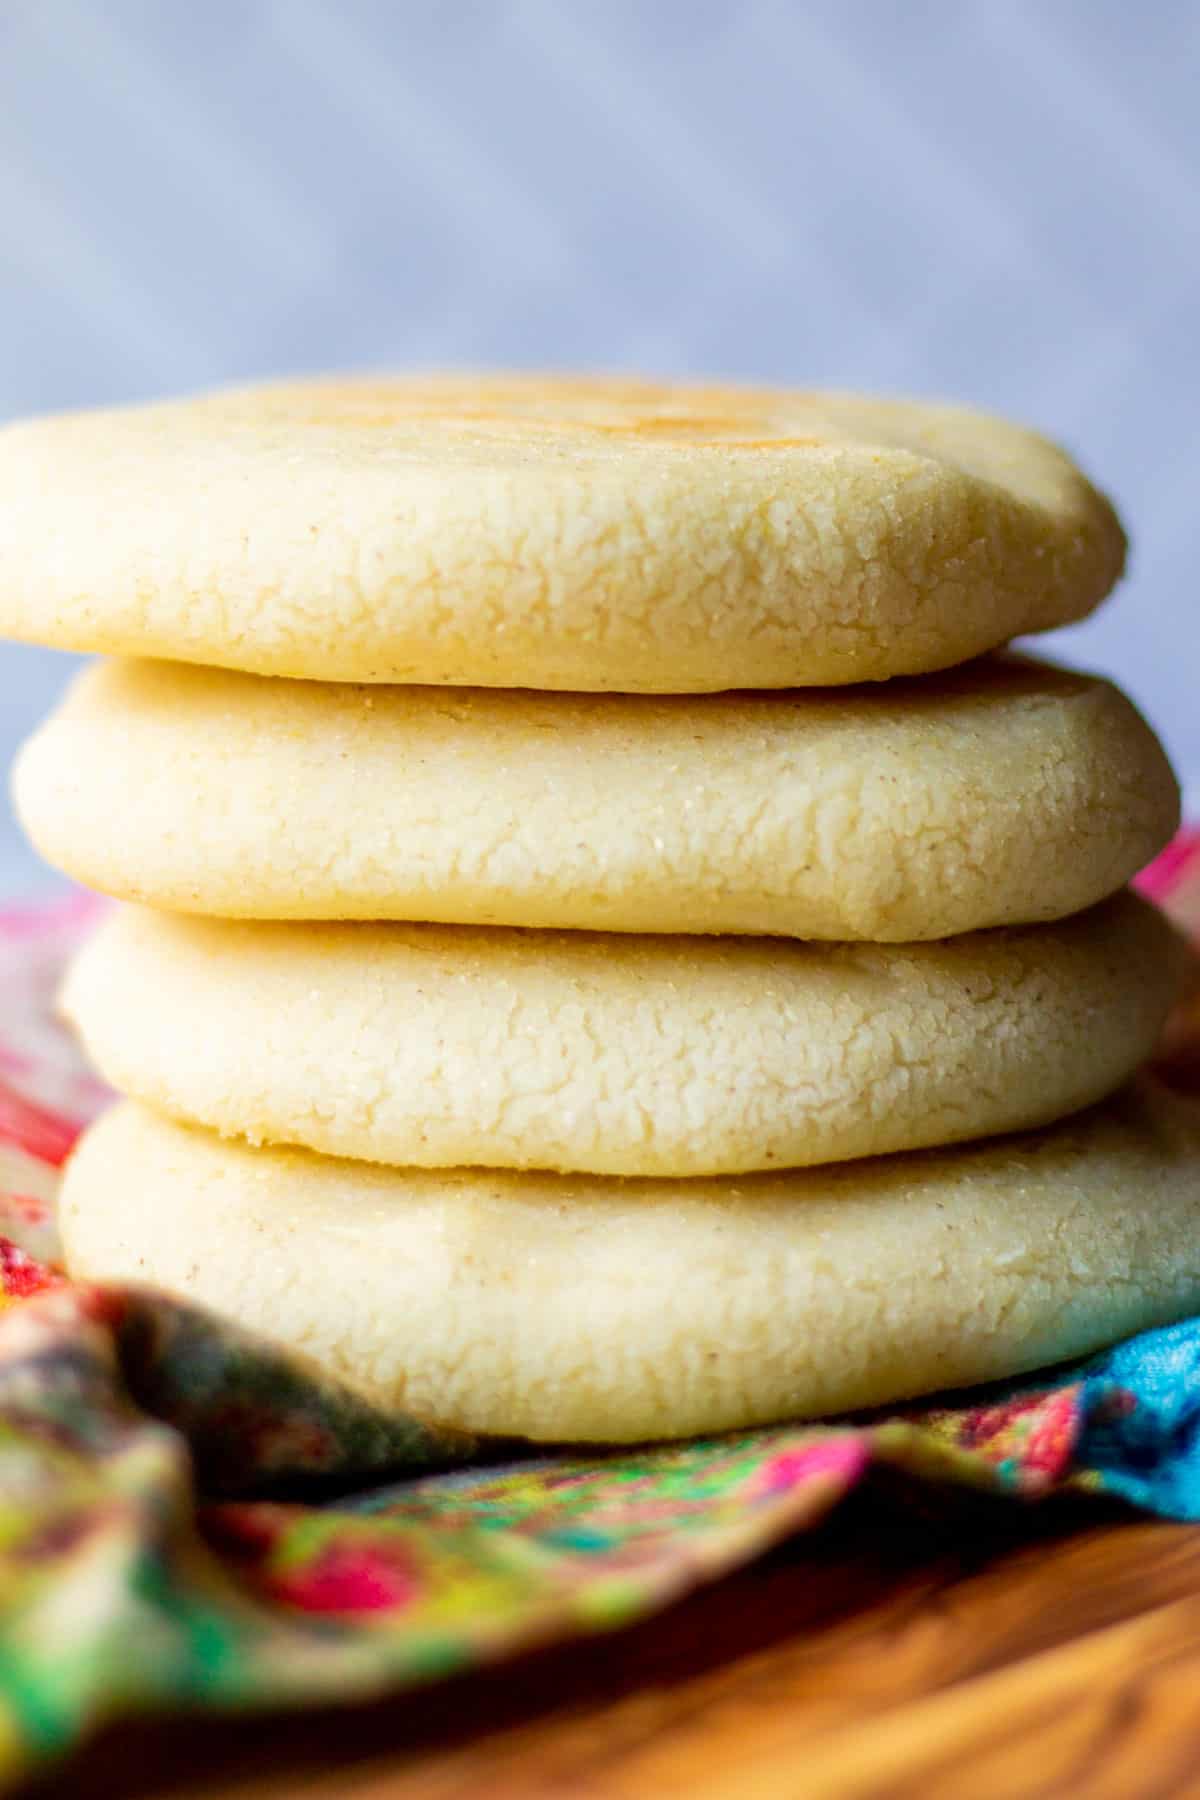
[545, 532]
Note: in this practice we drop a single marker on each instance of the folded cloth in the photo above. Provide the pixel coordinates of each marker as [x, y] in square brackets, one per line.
[190, 1518]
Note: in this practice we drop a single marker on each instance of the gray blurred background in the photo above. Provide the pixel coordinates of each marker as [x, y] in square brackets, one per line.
[995, 202]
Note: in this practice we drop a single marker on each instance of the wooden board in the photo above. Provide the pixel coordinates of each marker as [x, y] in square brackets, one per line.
[914, 1647]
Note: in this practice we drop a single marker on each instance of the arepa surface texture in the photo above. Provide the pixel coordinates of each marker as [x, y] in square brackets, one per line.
[436, 1046]
[545, 532]
[1006, 792]
[577, 1307]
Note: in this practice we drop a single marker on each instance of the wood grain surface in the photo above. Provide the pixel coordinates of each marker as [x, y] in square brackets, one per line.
[914, 1647]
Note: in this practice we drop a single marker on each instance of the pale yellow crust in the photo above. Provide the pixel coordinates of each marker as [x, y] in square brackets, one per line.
[1005, 793]
[545, 532]
[578, 1307]
[436, 1046]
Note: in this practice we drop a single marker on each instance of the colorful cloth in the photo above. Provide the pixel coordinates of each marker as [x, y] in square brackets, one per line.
[188, 1518]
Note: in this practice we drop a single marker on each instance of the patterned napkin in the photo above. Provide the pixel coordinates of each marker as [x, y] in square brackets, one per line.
[190, 1519]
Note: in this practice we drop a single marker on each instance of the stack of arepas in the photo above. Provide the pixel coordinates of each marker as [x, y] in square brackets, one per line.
[614, 954]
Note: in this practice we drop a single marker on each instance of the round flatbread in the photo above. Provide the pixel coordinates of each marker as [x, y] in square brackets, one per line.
[527, 531]
[438, 1046]
[578, 1307]
[1004, 793]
